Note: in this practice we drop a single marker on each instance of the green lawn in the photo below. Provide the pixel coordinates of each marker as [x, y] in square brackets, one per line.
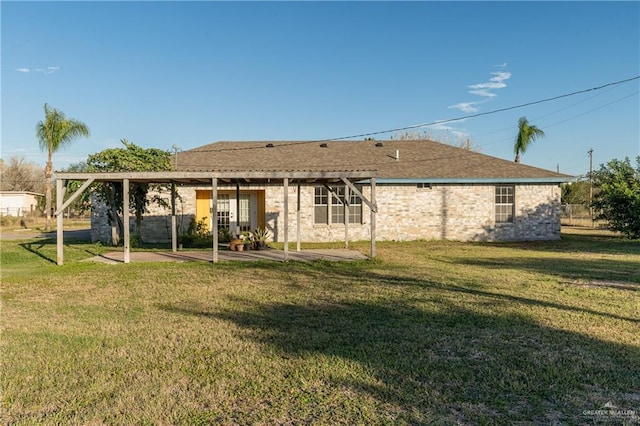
[431, 332]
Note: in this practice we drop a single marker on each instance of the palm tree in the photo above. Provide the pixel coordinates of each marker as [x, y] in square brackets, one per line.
[53, 133]
[526, 135]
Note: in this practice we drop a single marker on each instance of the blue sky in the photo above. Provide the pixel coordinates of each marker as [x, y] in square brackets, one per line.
[188, 74]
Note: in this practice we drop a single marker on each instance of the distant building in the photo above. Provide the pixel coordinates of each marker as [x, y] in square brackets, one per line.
[18, 203]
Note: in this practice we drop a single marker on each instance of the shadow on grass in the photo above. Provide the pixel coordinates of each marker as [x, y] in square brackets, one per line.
[37, 247]
[339, 274]
[613, 273]
[571, 243]
[450, 366]
[47, 248]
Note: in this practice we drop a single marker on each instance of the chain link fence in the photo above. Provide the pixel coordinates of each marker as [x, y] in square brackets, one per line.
[579, 215]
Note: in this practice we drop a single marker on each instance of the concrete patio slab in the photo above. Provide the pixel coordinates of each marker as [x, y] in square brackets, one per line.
[227, 255]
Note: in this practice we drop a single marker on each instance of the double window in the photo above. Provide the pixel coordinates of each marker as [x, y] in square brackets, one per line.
[505, 203]
[329, 206]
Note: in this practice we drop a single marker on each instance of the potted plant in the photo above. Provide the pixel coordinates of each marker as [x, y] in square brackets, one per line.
[259, 238]
[236, 244]
[247, 239]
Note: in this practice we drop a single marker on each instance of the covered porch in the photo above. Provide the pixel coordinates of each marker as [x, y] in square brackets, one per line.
[284, 179]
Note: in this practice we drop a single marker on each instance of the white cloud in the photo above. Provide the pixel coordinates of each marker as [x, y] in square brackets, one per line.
[465, 107]
[457, 132]
[496, 82]
[25, 70]
[48, 70]
[501, 76]
[486, 90]
[483, 92]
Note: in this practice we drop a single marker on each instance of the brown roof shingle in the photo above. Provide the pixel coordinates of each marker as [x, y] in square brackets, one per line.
[418, 159]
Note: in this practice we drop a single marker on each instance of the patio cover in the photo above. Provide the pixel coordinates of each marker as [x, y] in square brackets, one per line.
[260, 177]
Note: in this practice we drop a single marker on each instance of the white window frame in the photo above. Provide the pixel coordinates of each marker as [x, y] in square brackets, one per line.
[504, 204]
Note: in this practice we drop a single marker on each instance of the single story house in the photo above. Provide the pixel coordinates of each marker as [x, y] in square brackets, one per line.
[422, 190]
[18, 203]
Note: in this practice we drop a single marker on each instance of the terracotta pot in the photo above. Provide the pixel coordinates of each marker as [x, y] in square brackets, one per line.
[236, 244]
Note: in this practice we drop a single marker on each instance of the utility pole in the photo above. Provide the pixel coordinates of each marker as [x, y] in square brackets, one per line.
[590, 152]
[175, 148]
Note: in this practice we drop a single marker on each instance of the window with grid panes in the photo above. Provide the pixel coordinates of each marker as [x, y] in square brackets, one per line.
[355, 207]
[320, 205]
[329, 208]
[223, 211]
[337, 205]
[505, 203]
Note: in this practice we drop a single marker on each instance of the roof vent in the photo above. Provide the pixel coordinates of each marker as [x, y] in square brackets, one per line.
[269, 145]
[379, 144]
[323, 145]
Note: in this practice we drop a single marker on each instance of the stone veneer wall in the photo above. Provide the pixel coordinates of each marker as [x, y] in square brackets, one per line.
[451, 212]
[156, 224]
[405, 212]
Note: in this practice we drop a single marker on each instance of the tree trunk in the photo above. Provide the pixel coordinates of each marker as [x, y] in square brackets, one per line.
[114, 218]
[517, 160]
[139, 228]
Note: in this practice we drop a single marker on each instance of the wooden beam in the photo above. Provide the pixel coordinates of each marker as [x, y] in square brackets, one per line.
[346, 217]
[59, 222]
[168, 177]
[372, 205]
[73, 196]
[298, 216]
[238, 232]
[286, 218]
[174, 222]
[333, 194]
[214, 217]
[373, 218]
[125, 221]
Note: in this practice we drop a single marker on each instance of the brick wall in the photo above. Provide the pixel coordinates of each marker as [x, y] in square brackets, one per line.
[405, 212]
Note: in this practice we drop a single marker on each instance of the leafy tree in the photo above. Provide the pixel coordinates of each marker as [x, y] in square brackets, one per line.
[53, 133]
[19, 174]
[617, 196]
[576, 192]
[527, 134]
[131, 158]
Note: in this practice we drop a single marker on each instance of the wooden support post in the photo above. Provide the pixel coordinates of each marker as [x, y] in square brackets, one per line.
[75, 195]
[125, 221]
[298, 215]
[374, 211]
[174, 222]
[238, 230]
[214, 217]
[345, 207]
[59, 221]
[286, 218]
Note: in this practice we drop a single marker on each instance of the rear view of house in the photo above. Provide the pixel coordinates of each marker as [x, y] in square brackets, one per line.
[423, 190]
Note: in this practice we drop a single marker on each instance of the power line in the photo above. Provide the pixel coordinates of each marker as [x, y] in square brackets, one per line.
[417, 126]
[570, 118]
[480, 114]
[594, 109]
[549, 114]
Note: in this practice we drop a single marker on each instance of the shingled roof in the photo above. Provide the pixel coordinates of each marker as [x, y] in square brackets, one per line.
[417, 160]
